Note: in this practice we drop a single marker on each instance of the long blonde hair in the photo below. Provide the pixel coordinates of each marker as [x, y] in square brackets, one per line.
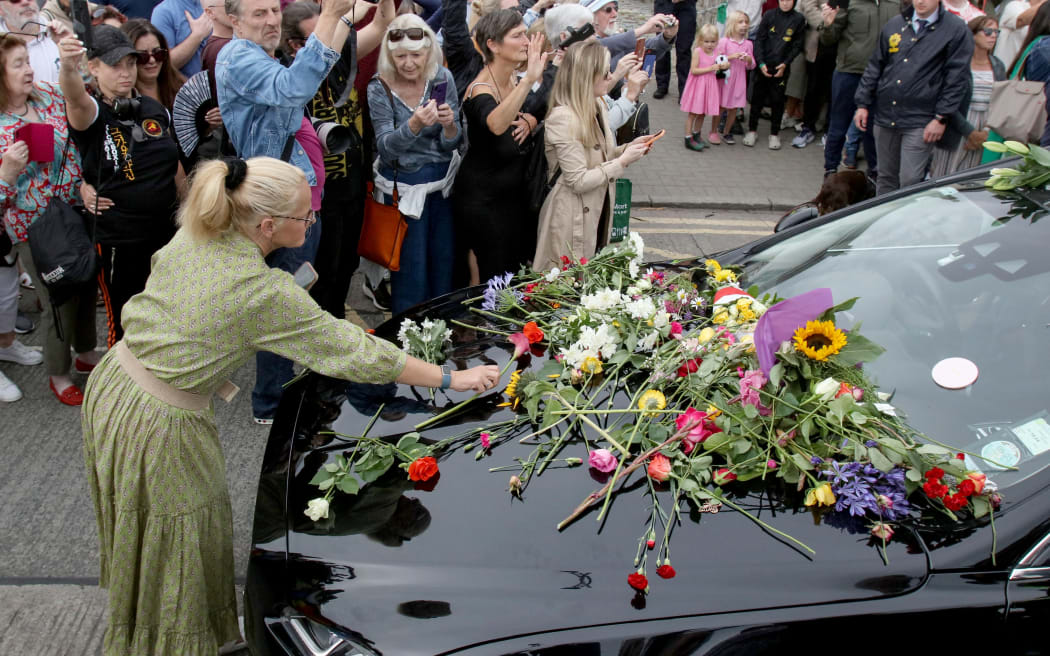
[734, 19]
[574, 87]
[270, 188]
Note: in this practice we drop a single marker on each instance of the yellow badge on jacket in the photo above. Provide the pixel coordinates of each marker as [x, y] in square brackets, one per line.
[895, 42]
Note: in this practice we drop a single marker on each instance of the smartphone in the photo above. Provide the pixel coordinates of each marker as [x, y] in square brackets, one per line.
[649, 63]
[654, 138]
[438, 92]
[639, 48]
[78, 10]
[305, 276]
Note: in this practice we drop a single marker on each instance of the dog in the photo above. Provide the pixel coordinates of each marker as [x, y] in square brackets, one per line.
[839, 190]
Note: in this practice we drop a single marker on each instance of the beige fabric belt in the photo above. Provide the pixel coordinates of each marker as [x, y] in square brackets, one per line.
[155, 386]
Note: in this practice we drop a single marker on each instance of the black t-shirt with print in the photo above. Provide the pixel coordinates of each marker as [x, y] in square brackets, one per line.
[139, 159]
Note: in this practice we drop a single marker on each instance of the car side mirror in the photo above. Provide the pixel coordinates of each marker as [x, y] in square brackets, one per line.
[796, 216]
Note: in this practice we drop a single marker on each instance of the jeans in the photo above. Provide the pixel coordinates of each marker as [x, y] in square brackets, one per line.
[426, 253]
[840, 117]
[685, 12]
[273, 371]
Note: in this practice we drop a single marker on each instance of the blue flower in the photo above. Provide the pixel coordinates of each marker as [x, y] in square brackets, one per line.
[816, 460]
[871, 443]
[497, 287]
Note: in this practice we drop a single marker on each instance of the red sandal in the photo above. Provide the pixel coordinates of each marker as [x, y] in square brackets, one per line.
[82, 367]
[70, 396]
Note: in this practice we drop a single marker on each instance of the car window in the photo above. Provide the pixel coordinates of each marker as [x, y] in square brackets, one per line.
[944, 273]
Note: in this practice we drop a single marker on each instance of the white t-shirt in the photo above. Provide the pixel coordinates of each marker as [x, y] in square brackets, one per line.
[1011, 37]
[43, 56]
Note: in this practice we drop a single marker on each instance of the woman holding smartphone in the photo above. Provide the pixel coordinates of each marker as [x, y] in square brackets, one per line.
[582, 152]
[415, 114]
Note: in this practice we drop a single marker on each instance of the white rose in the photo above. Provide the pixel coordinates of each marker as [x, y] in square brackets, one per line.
[553, 274]
[317, 509]
[827, 389]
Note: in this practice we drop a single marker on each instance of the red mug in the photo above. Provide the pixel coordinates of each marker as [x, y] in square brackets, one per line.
[40, 137]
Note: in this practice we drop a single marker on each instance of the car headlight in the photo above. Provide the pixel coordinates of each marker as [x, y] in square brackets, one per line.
[300, 635]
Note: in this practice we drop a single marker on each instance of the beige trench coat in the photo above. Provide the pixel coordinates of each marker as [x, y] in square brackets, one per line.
[580, 204]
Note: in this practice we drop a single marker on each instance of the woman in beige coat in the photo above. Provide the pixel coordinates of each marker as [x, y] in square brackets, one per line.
[575, 216]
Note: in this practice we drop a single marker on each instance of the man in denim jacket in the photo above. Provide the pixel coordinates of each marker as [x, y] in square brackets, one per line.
[262, 104]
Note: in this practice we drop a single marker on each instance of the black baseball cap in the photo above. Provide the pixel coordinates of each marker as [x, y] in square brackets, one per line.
[110, 44]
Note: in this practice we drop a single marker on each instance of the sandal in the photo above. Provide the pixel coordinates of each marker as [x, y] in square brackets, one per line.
[82, 367]
[25, 281]
[69, 396]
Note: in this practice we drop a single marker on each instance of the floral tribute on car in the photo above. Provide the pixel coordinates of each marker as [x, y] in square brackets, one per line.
[703, 388]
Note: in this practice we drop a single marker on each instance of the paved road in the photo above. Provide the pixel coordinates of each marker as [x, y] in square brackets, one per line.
[49, 567]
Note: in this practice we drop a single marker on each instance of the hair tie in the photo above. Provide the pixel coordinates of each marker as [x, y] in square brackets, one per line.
[236, 170]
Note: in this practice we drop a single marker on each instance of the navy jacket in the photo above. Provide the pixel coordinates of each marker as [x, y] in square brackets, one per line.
[910, 78]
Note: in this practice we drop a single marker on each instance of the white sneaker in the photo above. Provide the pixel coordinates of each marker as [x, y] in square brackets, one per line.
[9, 392]
[21, 354]
[750, 138]
[774, 142]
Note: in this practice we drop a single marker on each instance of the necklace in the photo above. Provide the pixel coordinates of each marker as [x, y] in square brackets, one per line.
[22, 113]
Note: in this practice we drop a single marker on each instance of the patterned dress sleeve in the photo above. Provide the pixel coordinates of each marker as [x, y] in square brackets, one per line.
[291, 324]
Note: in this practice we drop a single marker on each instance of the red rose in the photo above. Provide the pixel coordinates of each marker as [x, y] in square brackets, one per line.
[533, 332]
[565, 259]
[659, 467]
[665, 571]
[960, 456]
[723, 476]
[934, 489]
[638, 581]
[583, 260]
[422, 469]
[955, 502]
[689, 367]
[936, 473]
[967, 487]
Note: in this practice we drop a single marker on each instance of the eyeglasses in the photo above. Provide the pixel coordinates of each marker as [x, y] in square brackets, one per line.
[412, 33]
[142, 57]
[990, 31]
[610, 8]
[309, 219]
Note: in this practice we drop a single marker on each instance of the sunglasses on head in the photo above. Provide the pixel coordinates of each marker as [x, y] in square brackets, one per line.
[412, 33]
[142, 57]
[990, 31]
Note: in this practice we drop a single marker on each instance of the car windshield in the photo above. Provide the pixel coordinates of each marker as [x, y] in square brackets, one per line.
[949, 272]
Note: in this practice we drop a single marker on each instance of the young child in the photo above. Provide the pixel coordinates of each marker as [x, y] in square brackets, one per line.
[740, 53]
[780, 37]
[700, 97]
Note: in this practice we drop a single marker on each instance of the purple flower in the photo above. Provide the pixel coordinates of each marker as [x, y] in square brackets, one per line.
[871, 443]
[816, 460]
[497, 286]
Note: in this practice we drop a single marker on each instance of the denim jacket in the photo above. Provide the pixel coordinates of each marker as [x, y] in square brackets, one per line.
[262, 101]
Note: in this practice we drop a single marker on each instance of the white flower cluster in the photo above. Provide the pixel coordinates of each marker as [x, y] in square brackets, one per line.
[600, 342]
[426, 341]
[602, 300]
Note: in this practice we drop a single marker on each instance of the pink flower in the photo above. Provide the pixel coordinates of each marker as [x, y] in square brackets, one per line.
[603, 460]
[696, 428]
[676, 329]
[520, 342]
[723, 476]
[486, 440]
[771, 464]
[659, 467]
[750, 383]
[583, 260]
[882, 531]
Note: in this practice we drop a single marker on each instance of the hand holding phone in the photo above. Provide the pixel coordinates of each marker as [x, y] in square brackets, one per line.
[654, 138]
[439, 92]
[639, 49]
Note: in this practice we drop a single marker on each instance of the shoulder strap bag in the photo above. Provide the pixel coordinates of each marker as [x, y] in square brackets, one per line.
[63, 251]
[1017, 109]
[383, 228]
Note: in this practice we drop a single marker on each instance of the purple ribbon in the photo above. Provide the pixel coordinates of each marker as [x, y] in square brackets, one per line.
[779, 322]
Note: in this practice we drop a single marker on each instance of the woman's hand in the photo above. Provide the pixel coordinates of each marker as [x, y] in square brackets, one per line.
[213, 117]
[537, 60]
[627, 63]
[14, 161]
[58, 31]
[424, 116]
[70, 50]
[636, 81]
[634, 151]
[90, 196]
[445, 115]
[478, 379]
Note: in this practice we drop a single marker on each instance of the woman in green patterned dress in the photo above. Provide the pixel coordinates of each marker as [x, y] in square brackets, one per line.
[155, 466]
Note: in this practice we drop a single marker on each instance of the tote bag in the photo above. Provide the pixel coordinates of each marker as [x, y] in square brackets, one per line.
[1017, 109]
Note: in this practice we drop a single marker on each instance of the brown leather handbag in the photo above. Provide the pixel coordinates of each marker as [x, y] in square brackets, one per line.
[383, 230]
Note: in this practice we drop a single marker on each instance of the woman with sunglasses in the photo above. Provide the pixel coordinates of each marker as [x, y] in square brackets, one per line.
[130, 159]
[156, 77]
[417, 135]
[960, 147]
[495, 227]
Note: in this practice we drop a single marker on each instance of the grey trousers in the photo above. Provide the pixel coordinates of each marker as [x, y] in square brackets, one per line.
[77, 316]
[903, 158]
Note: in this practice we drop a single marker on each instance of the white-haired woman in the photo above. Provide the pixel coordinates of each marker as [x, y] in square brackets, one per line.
[417, 136]
[155, 466]
[575, 218]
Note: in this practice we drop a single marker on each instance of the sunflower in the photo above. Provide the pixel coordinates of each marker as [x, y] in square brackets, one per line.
[713, 266]
[819, 340]
[652, 400]
[512, 390]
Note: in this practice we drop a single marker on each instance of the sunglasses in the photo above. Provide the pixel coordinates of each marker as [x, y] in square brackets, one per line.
[990, 31]
[412, 33]
[610, 8]
[142, 57]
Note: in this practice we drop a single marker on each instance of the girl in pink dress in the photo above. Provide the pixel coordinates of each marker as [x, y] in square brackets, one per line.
[741, 55]
[700, 97]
